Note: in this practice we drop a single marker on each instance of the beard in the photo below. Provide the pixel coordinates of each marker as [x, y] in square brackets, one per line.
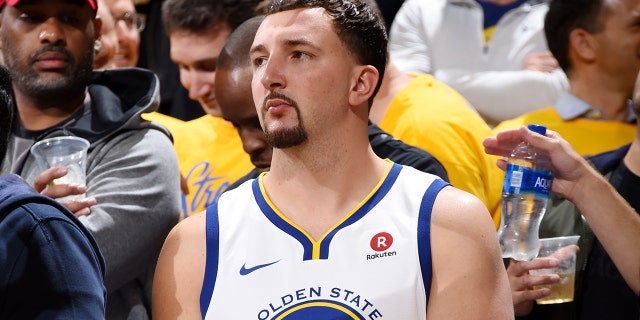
[285, 137]
[51, 90]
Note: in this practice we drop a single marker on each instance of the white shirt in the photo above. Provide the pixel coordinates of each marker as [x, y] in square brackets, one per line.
[446, 38]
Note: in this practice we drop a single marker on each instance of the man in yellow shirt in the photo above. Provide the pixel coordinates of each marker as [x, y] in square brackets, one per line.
[429, 114]
[209, 149]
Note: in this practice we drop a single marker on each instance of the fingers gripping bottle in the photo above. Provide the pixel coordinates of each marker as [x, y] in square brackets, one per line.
[525, 194]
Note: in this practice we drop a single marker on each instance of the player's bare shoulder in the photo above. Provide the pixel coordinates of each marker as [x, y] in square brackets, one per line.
[187, 239]
[180, 270]
[191, 230]
[459, 207]
[462, 231]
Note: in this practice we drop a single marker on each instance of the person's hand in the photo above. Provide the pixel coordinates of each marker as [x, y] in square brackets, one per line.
[540, 61]
[571, 172]
[521, 282]
[45, 186]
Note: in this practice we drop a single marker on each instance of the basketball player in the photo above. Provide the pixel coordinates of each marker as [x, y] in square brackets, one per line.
[331, 231]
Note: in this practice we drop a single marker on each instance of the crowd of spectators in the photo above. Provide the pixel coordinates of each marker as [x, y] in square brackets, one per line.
[161, 91]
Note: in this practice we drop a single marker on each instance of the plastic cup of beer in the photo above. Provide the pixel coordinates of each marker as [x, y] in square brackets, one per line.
[66, 151]
[564, 249]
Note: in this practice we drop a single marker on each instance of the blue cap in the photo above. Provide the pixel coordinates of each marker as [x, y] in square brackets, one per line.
[540, 129]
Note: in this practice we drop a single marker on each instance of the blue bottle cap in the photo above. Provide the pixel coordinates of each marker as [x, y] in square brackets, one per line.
[540, 129]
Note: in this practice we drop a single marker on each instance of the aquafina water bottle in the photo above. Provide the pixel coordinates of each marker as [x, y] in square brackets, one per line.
[525, 194]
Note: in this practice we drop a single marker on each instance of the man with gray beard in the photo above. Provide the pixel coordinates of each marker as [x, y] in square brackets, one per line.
[132, 179]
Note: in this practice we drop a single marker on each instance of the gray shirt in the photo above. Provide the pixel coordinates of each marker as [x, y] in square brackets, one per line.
[132, 171]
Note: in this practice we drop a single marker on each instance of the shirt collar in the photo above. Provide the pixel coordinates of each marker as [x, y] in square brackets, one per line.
[570, 107]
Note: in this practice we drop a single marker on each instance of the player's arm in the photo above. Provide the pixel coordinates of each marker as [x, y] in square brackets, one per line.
[469, 279]
[179, 274]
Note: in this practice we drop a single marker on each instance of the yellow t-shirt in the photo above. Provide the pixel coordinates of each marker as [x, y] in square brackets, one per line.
[432, 116]
[210, 156]
[168, 122]
[588, 137]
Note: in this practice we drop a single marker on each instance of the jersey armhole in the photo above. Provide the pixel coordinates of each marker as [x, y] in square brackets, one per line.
[211, 259]
[424, 233]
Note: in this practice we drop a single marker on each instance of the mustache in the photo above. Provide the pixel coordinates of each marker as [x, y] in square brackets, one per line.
[278, 95]
[34, 56]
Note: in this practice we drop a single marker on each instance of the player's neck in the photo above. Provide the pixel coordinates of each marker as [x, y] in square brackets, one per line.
[317, 196]
[325, 160]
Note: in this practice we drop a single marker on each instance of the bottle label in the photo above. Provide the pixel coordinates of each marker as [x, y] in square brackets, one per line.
[519, 179]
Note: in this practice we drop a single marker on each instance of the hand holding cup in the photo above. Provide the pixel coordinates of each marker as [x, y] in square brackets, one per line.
[564, 250]
[63, 162]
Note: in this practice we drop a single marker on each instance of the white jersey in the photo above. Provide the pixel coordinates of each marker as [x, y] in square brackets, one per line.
[373, 264]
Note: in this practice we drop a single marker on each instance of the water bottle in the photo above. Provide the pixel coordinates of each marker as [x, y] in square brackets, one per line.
[525, 194]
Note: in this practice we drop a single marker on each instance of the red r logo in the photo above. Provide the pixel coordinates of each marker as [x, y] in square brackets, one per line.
[381, 241]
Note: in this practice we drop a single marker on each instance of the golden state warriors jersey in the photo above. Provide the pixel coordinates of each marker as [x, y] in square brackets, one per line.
[373, 264]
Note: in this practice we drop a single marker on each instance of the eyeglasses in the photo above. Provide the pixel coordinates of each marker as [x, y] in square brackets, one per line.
[132, 20]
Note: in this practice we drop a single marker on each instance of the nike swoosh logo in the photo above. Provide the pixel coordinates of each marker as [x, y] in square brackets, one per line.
[245, 271]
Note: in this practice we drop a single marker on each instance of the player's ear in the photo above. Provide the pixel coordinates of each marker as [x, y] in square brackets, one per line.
[364, 85]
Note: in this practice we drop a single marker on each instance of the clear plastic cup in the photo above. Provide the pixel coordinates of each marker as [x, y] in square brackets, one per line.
[563, 249]
[65, 151]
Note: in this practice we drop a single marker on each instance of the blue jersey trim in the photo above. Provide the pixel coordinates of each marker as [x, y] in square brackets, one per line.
[322, 247]
[212, 256]
[362, 211]
[280, 223]
[424, 232]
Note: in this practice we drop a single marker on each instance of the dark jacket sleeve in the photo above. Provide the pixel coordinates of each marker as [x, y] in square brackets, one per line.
[51, 266]
[386, 146]
[251, 175]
